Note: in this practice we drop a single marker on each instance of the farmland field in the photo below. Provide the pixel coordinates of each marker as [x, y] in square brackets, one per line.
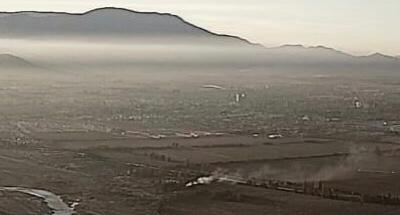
[126, 148]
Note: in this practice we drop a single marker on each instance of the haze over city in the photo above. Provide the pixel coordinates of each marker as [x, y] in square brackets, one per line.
[174, 108]
[354, 26]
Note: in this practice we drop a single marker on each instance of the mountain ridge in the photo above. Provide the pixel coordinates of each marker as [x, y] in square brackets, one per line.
[103, 10]
[12, 61]
[326, 48]
[135, 25]
[4, 14]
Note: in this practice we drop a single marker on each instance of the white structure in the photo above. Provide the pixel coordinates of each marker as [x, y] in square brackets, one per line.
[239, 97]
[357, 103]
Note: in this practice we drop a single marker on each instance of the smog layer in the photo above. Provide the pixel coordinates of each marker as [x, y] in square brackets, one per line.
[120, 112]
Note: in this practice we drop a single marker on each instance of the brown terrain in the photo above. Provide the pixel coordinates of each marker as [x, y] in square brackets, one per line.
[126, 148]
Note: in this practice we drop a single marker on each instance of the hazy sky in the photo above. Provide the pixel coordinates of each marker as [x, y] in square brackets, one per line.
[357, 26]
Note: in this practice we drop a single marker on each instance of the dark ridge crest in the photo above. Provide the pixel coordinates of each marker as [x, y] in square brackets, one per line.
[137, 12]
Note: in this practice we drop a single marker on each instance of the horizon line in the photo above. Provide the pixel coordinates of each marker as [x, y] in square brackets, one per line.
[195, 26]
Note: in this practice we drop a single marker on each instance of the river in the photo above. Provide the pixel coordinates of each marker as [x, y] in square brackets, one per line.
[54, 202]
